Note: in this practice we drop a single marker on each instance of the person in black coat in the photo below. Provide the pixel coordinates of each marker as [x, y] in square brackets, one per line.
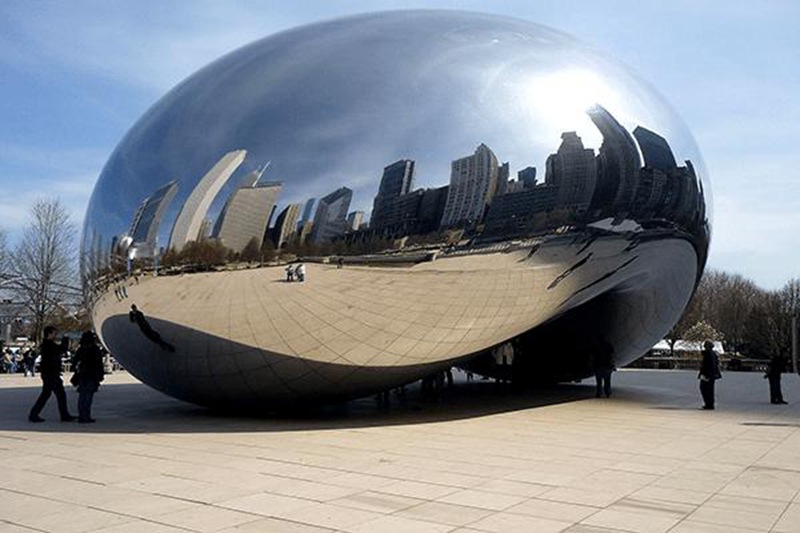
[50, 372]
[603, 366]
[776, 367]
[89, 373]
[709, 373]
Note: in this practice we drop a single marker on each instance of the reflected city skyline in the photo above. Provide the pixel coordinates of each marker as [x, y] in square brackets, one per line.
[630, 177]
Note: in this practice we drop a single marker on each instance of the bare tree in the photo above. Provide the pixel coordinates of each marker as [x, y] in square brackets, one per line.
[42, 266]
[4, 275]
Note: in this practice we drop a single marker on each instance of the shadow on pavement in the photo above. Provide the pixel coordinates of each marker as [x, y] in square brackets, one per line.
[136, 408]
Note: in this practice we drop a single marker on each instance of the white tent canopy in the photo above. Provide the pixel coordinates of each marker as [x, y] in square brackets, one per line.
[687, 346]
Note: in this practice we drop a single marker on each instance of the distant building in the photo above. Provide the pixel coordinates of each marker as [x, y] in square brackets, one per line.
[248, 215]
[354, 220]
[397, 180]
[286, 225]
[147, 220]
[473, 181]
[330, 219]
[195, 208]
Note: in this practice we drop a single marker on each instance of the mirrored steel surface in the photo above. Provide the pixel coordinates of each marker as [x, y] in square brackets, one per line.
[461, 189]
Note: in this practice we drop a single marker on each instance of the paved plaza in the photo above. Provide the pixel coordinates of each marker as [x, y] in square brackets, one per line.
[483, 458]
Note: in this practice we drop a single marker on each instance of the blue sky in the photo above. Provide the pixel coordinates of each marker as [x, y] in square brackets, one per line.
[74, 76]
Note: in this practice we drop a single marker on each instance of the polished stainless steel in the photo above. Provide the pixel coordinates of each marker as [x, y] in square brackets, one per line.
[461, 189]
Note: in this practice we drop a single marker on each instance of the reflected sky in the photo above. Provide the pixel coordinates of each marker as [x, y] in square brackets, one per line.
[331, 104]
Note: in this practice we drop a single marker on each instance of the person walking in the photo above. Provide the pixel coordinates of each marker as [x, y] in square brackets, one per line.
[709, 373]
[603, 366]
[289, 274]
[50, 372]
[776, 367]
[89, 373]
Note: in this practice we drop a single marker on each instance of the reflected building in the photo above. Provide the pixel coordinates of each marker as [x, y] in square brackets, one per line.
[522, 213]
[355, 220]
[572, 170]
[248, 215]
[195, 208]
[330, 219]
[397, 180]
[206, 229]
[147, 220]
[308, 212]
[285, 228]
[473, 181]
[528, 177]
[249, 180]
[618, 164]
[502, 178]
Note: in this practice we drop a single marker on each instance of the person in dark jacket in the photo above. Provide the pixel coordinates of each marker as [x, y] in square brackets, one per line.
[709, 373]
[776, 367]
[89, 373]
[50, 372]
[603, 366]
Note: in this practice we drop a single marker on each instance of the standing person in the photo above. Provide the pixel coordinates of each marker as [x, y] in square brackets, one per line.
[776, 367]
[289, 274]
[603, 366]
[709, 373]
[300, 270]
[89, 372]
[50, 372]
[29, 360]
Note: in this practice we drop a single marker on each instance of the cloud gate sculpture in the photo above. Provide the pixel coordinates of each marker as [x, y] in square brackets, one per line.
[352, 205]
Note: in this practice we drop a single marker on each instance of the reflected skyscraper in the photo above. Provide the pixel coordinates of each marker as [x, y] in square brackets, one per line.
[330, 220]
[572, 170]
[248, 215]
[655, 150]
[354, 220]
[527, 176]
[249, 180]
[286, 225]
[190, 218]
[397, 180]
[147, 221]
[473, 181]
[308, 212]
[618, 163]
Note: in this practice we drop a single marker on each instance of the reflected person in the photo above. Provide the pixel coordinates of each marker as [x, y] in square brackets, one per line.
[50, 372]
[138, 318]
[709, 373]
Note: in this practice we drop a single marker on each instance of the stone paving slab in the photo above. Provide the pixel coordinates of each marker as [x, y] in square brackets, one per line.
[482, 458]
